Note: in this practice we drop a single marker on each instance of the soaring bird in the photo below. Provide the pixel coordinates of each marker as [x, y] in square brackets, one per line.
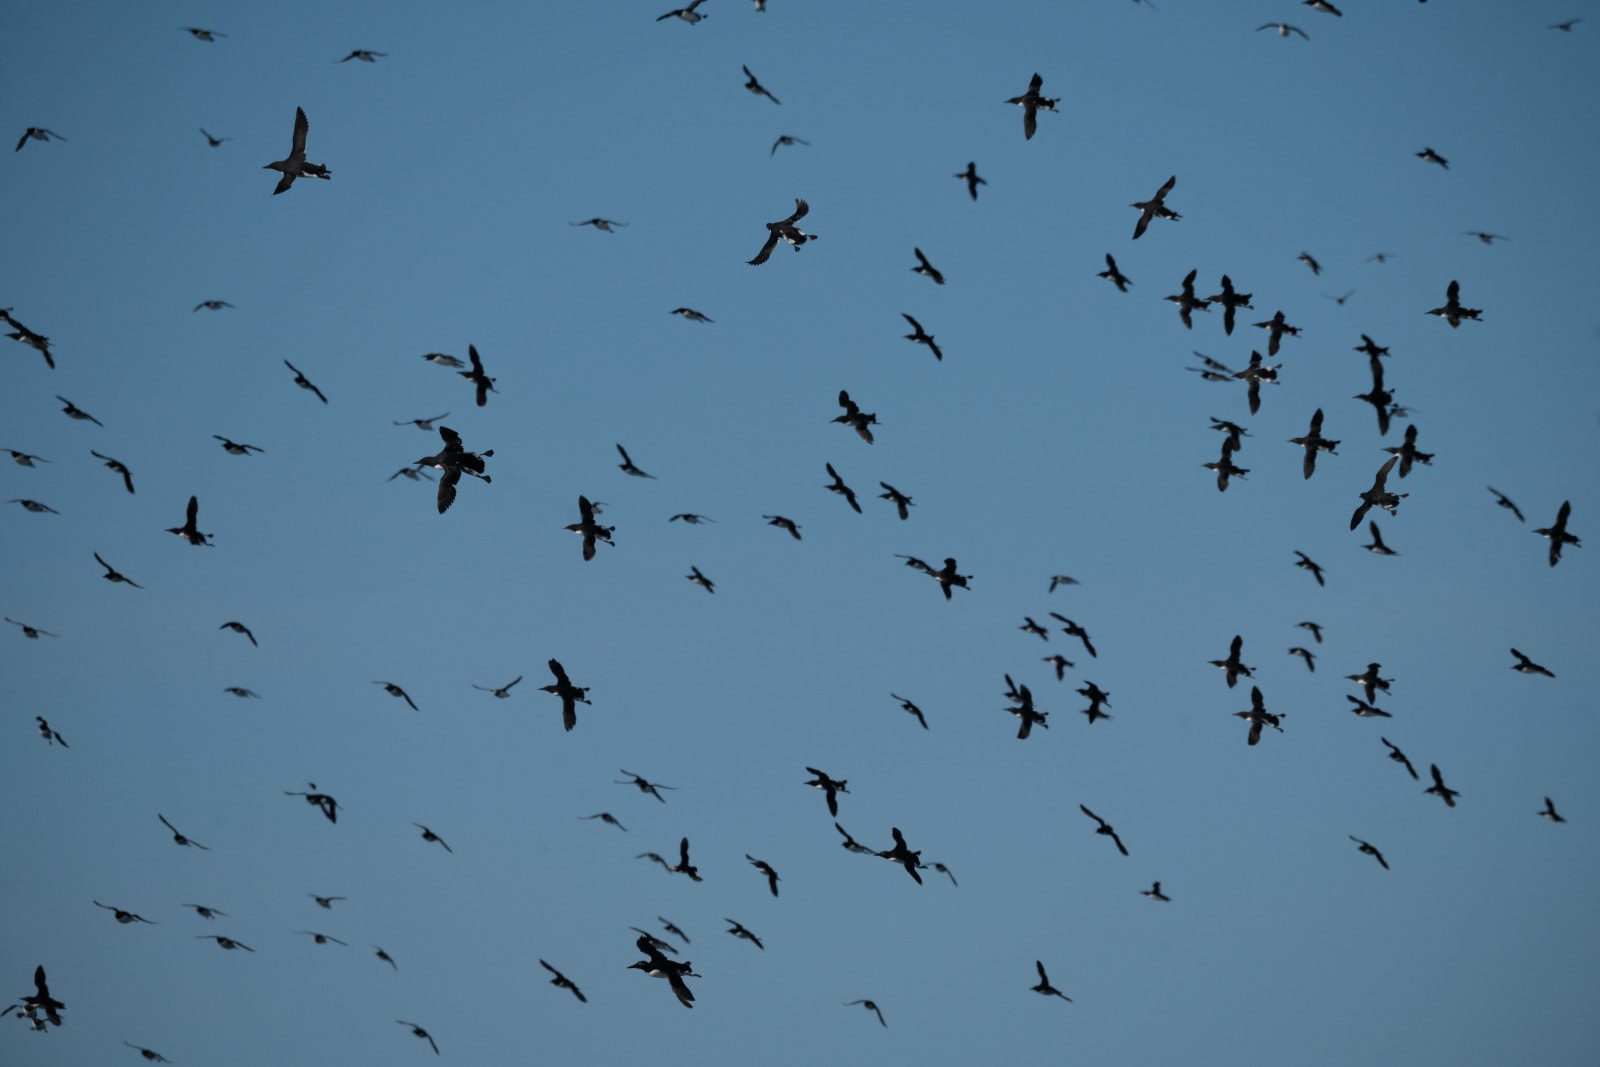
[225, 943]
[395, 691]
[859, 420]
[323, 939]
[785, 230]
[1439, 789]
[571, 695]
[34, 506]
[1284, 30]
[783, 523]
[739, 930]
[328, 805]
[365, 55]
[1486, 238]
[418, 1031]
[1155, 893]
[766, 870]
[1187, 302]
[1097, 699]
[1557, 534]
[561, 981]
[1378, 496]
[1258, 716]
[1366, 710]
[898, 499]
[241, 692]
[214, 142]
[1313, 627]
[689, 15]
[1428, 155]
[113, 575]
[1525, 665]
[926, 269]
[1232, 666]
[1408, 452]
[1072, 629]
[1370, 682]
[946, 576]
[303, 382]
[1028, 715]
[606, 817]
[1377, 547]
[454, 460]
[1044, 987]
[177, 836]
[1061, 579]
[425, 425]
[429, 835]
[1032, 102]
[502, 692]
[1452, 311]
[757, 88]
[1564, 27]
[1369, 850]
[922, 337]
[1277, 328]
[1230, 301]
[1398, 756]
[1306, 257]
[1254, 374]
[701, 580]
[234, 448]
[627, 465]
[903, 855]
[786, 140]
[1061, 664]
[870, 1006]
[1323, 6]
[1504, 501]
[970, 176]
[482, 383]
[1224, 467]
[1105, 829]
[603, 225]
[657, 965]
[125, 917]
[1549, 812]
[830, 787]
[73, 411]
[385, 957]
[1155, 208]
[1115, 276]
[51, 735]
[294, 165]
[25, 459]
[37, 133]
[189, 531]
[1313, 442]
[40, 1000]
[911, 709]
[325, 903]
[691, 315]
[838, 486]
[644, 785]
[588, 529]
[30, 632]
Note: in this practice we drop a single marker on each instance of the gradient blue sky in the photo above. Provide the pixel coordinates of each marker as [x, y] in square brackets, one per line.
[1060, 434]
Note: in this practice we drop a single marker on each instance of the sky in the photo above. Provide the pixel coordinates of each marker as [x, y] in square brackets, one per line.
[1061, 434]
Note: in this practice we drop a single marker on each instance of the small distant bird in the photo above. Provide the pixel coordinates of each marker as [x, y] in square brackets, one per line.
[214, 142]
[412, 473]
[830, 787]
[926, 269]
[645, 786]
[1525, 665]
[942, 869]
[657, 965]
[425, 425]
[1378, 496]
[34, 506]
[502, 692]
[325, 903]
[481, 381]
[189, 531]
[701, 580]
[294, 165]
[911, 709]
[1155, 208]
[683, 866]
[1028, 716]
[205, 912]
[784, 524]
[588, 529]
[1340, 299]
[859, 420]
[672, 929]
[112, 575]
[212, 305]
[1366, 710]
[73, 411]
[970, 176]
[1254, 374]
[416, 1030]
[178, 837]
[1452, 311]
[1557, 534]
[1306, 257]
[1439, 789]
[571, 696]
[1225, 468]
[603, 225]
[1505, 502]
[756, 87]
[561, 981]
[1370, 851]
[303, 382]
[1313, 442]
[627, 465]
[1258, 716]
[204, 35]
[1380, 257]
[1155, 893]
[125, 917]
[1371, 348]
[1230, 301]
[1315, 628]
[1277, 328]
[429, 835]
[241, 692]
[690, 314]
[1032, 102]
[33, 340]
[1486, 238]
[1369, 681]
[24, 459]
[1072, 629]
[234, 448]
[1115, 276]
[687, 14]
[1408, 453]
[850, 844]
[1187, 302]
[607, 818]
[1284, 30]
[443, 360]
[1428, 155]
[385, 957]
[227, 943]
[1398, 756]
[785, 139]
[922, 337]
[49, 733]
[1061, 579]
[1564, 27]
[37, 133]
[1044, 987]
[1549, 812]
[739, 930]
[1323, 6]
[896, 497]
[454, 460]
[903, 855]
[1105, 829]
[1061, 664]
[1378, 547]
[395, 691]
[1031, 627]
[30, 632]
[691, 518]
[843, 490]
[1233, 667]
[870, 1006]
[946, 576]
[364, 54]
[785, 230]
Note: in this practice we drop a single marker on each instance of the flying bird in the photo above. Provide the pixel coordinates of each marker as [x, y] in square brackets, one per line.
[49, 733]
[425, 425]
[385, 957]
[785, 524]
[1366, 710]
[226, 943]
[73, 411]
[1284, 30]
[903, 855]
[112, 574]
[970, 176]
[416, 1030]
[328, 805]
[1061, 579]
[37, 133]
[1306, 257]
[701, 580]
[946, 576]
[1155, 893]
[739, 930]
[921, 337]
[482, 383]
[690, 315]
[1277, 328]
[1398, 756]
[1032, 102]
[1369, 681]
[1549, 812]
[1155, 208]
[1525, 665]
[1105, 829]
[689, 15]
[1439, 789]
[395, 691]
[766, 869]
[1408, 452]
[365, 55]
[603, 225]
[1258, 716]
[234, 448]
[189, 531]
[870, 1006]
[1026, 713]
[1504, 501]
[502, 692]
[325, 903]
[785, 139]
[214, 142]
[1230, 300]
[177, 836]
[926, 269]
[561, 981]
[830, 787]
[859, 420]
[1254, 374]
[34, 506]
[1428, 155]
[30, 632]
[1369, 850]
[454, 460]
[757, 88]
[838, 486]
[323, 939]
[429, 835]
[303, 382]
[1072, 629]
[571, 696]
[205, 912]
[1224, 467]
[295, 165]
[1313, 442]
[657, 965]
[627, 465]
[241, 692]
[607, 818]
[1232, 666]
[1187, 302]
[1377, 547]
[1044, 987]
[1378, 496]
[1557, 534]
[785, 230]
[1564, 27]
[125, 917]
[588, 529]
[1114, 276]
[646, 786]
[24, 459]
[911, 709]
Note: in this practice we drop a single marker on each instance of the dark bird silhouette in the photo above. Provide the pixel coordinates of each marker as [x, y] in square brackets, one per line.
[1230, 301]
[766, 869]
[1439, 789]
[189, 531]
[1313, 442]
[30, 632]
[857, 419]
[502, 692]
[1027, 714]
[323, 939]
[1254, 374]
[34, 506]
[911, 709]
[178, 837]
[416, 1030]
[113, 575]
[588, 529]
[322, 801]
[657, 965]
[970, 176]
[690, 518]
[454, 460]
[1378, 496]
[922, 337]
[627, 465]
[946, 576]
[571, 696]
[683, 866]
[425, 425]
[870, 1006]
[73, 411]
[785, 139]
[1044, 985]
[227, 943]
[1232, 666]
[25, 459]
[1366, 710]
[1072, 629]
[1408, 452]
[1549, 812]
[1097, 699]
[1306, 257]
[1377, 546]
[36, 341]
[1452, 311]
[1187, 302]
[429, 835]
[303, 382]
[561, 981]
[125, 917]
[603, 225]
[1370, 348]
[1525, 665]
[1369, 681]
[1155, 893]
[1428, 155]
[205, 912]
[40, 1001]
[1557, 534]
[1258, 716]
[37, 133]
[850, 844]
[1504, 501]
[1105, 829]
[607, 818]
[1030, 627]
[785, 230]
[213, 305]
[646, 786]
[1061, 664]
[757, 88]
[1380, 398]
[830, 787]
[214, 142]
[690, 315]
[395, 691]
[385, 957]
[899, 499]
[902, 855]
[1370, 851]
[49, 733]
[691, 16]
[1115, 276]
[241, 692]
[1224, 467]
[1061, 579]
[1340, 299]
[739, 930]
[294, 165]
[325, 903]
[672, 929]
[701, 580]
[926, 269]
[785, 524]
[1564, 27]
[1155, 208]
[843, 490]
[1277, 329]
[1323, 6]
[942, 869]
[240, 628]
[442, 360]
[482, 383]
[365, 55]
[1032, 102]
[1284, 30]
[1486, 238]
[234, 448]
[1398, 756]
[1235, 432]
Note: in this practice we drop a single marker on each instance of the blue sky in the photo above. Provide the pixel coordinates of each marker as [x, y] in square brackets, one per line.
[1060, 434]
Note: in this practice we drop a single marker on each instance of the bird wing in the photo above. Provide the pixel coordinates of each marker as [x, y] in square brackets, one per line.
[766, 249]
[297, 153]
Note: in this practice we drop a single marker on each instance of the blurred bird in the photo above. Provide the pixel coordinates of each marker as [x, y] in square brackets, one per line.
[588, 529]
[1439, 789]
[1254, 374]
[1230, 301]
[303, 382]
[416, 1030]
[429, 835]
[1557, 534]
[482, 383]
[1044, 987]
[911, 709]
[37, 133]
[365, 55]
[701, 580]
[1503, 501]
[571, 696]
[870, 1006]
[1072, 629]
[125, 917]
[214, 142]
[234, 448]
[1032, 102]
[454, 460]
[1370, 851]
[1306, 257]
[1378, 496]
[502, 692]
[561, 981]
[627, 465]
[608, 818]
[1398, 756]
[1524, 665]
[687, 14]
[1258, 716]
[1276, 329]
[785, 524]
[738, 930]
[1408, 453]
[1284, 30]
[843, 490]
[922, 337]
[603, 225]
[73, 411]
[30, 632]
[926, 269]
[903, 855]
[970, 176]
[1105, 829]
[112, 575]
[1313, 442]
[1187, 302]
[785, 139]
[1428, 155]
[1114, 276]
[49, 733]
[294, 165]
[1155, 208]
[189, 531]
[690, 315]
[395, 691]
[1155, 893]
[785, 230]
[1305, 654]
[1377, 546]
[1232, 667]
[177, 836]
[859, 420]
[1549, 812]
[757, 88]
[645, 786]
[830, 787]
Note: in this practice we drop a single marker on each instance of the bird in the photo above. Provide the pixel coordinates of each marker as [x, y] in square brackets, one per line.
[756, 87]
[37, 133]
[1230, 301]
[1525, 665]
[482, 383]
[294, 165]
[241, 692]
[658, 966]
[1408, 453]
[1254, 374]
[1044, 987]
[1258, 716]
[1026, 713]
[571, 696]
[49, 733]
[502, 692]
[1378, 547]
[1029, 626]
[212, 305]
[970, 176]
[830, 787]
[683, 866]
[783, 523]
[701, 580]
[178, 837]
[429, 835]
[1155, 208]
[690, 315]
[125, 917]
[1187, 302]
[766, 869]
[603, 225]
[926, 269]
[1486, 238]
[240, 628]
[1340, 300]
[1306, 257]
[785, 139]
[189, 531]
[945, 576]
[627, 465]
[672, 929]
[365, 55]
[911, 709]
[1557, 533]
[922, 337]
[1366, 710]
[1313, 442]
[1439, 789]
[385, 957]
[1549, 812]
[739, 930]
[1323, 6]
[1032, 102]
[561, 981]
[442, 360]
[226, 943]
[785, 230]
[903, 855]
[859, 420]
[1564, 27]
[34, 506]
[113, 575]
[850, 844]
[588, 529]
[1114, 276]
[1428, 155]
[323, 939]
[1104, 828]
[205, 912]
[1370, 851]
[837, 486]
[1504, 501]
[1224, 467]
[1398, 756]
[1314, 628]
[1276, 329]
[870, 1006]
[325, 903]
[395, 691]
[690, 518]
[646, 786]
[416, 1030]
[1381, 399]
[1232, 666]
[30, 632]
[33, 340]
[39, 1001]
[687, 14]
[1369, 681]
[1155, 893]
[73, 411]
[454, 460]
[1371, 348]
[425, 425]
[234, 448]
[1284, 30]
[1072, 629]
[606, 817]
[214, 142]
[1061, 665]
[25, 459]
[1061, 579]
[303, 382]
[1378, 496]
[328, 805]
[942, 869]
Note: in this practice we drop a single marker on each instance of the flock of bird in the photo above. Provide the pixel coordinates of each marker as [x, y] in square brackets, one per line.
[454, 461]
